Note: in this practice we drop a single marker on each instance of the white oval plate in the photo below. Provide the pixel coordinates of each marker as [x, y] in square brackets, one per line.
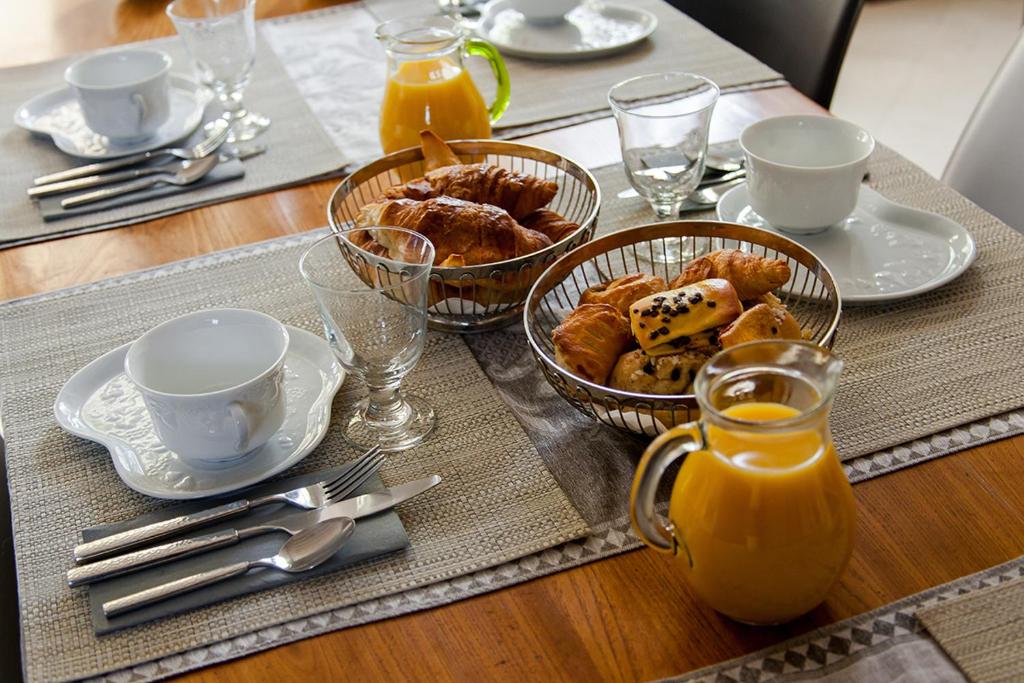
[883, 251]
[589, 31]
[100, 404]
[57, 114]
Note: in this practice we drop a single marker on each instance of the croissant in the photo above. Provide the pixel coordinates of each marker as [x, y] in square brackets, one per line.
[463, 233]
[436, 152]
[760, 322]
[590, 340]
[664, 317]
[550, 223]
[750, 274]
[518, 193]
[622, 292]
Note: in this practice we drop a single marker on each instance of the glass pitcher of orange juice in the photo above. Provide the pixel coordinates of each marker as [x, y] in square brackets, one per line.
[761, 517]
[428, 86]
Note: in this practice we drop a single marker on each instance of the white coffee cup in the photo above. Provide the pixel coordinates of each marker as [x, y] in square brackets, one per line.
[545, 11]
[804, 172]
[212, 381]
[124, 94]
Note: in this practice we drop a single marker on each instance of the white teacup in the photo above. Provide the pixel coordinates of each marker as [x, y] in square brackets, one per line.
[545, 11]
[124, 94]
[804, 172]
[212, 381]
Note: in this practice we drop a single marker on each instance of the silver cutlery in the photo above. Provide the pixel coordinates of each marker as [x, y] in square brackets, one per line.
[303, 551]
[710, 196]
[201, 149]
[304, 497]
[289, 522]
[191, 172]
[705, 182]
[119, 176]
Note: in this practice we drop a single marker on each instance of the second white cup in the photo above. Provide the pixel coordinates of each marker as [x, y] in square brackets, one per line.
[124, 94]
[212, 381]
[804, 172]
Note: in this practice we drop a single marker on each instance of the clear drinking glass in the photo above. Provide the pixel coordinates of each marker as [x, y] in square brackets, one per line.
[220, 36]
[663, 122]
[374, 311]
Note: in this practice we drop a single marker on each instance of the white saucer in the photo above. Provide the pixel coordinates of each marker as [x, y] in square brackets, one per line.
[100, 404]
[590, 30]
[882, 252]
[57, 114]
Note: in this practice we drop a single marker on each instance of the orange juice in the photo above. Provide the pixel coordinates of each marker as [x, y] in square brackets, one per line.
[764, 519]
[431, 93]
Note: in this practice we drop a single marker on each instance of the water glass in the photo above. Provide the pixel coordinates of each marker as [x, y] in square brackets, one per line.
[663, 122]
[220, 36]
[373, 304]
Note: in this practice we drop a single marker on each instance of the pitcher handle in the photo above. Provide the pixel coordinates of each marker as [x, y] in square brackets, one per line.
[481, 48]
[677, 442]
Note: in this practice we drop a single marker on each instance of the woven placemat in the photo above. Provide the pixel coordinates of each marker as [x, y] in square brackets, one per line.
[498, 501]
[298, 150]
[983, 631]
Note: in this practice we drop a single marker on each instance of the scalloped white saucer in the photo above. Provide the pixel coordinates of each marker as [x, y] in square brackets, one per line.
[882, 252]
[589, 31]
[57, 114]
[101, 404]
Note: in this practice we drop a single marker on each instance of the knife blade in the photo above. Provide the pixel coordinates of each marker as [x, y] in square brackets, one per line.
[288, 521]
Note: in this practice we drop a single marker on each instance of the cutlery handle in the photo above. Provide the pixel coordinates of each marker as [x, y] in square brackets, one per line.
[108, 192]
[115, 543]
[92, 181]
[130, 562]
[98, 167]
[171, 588]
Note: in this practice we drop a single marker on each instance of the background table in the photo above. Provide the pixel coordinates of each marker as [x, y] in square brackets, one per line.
[625, 618]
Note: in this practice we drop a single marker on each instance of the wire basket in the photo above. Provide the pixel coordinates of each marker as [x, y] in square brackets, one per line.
[482, 297]
[811, 296]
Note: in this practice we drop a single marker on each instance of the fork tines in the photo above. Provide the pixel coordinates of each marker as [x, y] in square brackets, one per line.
[354, 476]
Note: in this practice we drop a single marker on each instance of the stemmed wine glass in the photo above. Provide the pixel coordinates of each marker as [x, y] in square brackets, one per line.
[663, 122]
[220, 36]
[374, 312]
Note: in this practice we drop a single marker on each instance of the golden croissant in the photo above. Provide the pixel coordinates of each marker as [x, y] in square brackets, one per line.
[552, 224]
[751, 275]
[463, 233]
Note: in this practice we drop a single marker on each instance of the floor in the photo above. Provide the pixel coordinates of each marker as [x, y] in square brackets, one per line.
[916, 68]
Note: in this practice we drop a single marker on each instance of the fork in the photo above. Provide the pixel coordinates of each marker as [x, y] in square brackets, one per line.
[188, 173]
[304, 497]
[201, 149]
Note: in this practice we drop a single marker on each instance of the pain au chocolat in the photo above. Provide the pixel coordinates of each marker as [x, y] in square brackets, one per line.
[661, 318]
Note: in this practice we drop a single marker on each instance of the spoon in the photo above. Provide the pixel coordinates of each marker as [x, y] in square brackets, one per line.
[186, 174]
[303, 551]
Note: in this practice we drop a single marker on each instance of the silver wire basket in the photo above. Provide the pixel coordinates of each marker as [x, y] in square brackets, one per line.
[482, 297]
[811, 296]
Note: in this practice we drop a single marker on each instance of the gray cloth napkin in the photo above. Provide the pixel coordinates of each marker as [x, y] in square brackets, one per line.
[51, 209]
[376, 535]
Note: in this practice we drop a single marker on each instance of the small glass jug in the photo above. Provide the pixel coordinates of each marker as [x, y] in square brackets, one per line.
[761, 517]
[428, 86]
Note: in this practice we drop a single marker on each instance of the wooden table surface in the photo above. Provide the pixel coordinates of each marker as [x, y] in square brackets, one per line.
[624, 618]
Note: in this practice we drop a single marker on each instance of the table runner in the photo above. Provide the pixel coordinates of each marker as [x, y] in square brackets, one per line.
[498, 502]
[982, 631]
[298, 150]
[596, 478]
[339, 68]
[886, 644]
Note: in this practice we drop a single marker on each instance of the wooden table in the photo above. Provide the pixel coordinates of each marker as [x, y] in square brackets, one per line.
[624, 618]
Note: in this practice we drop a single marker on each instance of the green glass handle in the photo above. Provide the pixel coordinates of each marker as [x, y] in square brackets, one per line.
[481, 48]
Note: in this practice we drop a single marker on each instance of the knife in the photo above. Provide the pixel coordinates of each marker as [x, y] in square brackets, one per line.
[291, 522]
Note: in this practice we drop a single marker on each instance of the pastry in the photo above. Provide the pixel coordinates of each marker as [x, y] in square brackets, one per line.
[751, 275]
[637, 372]
[463, 233]
[622, 292]
[706, 342]
[760, 322]
[550, 223]
[683, 312]
[436, 152]
[517, 193]
[590, 340]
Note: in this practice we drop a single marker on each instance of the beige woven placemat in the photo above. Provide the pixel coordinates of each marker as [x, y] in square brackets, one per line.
[550, 91]
[982, 631]
[498, 502]
[922, 365]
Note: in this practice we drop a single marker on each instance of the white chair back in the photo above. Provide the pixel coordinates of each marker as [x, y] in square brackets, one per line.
[987, 165]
